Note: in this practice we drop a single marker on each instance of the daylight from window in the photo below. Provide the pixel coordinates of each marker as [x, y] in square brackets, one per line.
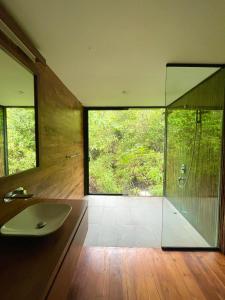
[126, 151]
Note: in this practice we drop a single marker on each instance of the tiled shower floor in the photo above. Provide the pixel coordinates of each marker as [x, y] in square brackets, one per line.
[123, 221]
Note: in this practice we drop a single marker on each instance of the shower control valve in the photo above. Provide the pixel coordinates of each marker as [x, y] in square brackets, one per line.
[183, 169]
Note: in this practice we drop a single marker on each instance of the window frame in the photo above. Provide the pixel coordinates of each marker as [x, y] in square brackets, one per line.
[86, 141]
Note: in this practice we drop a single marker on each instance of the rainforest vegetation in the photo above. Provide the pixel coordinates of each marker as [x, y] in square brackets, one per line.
[126, 151]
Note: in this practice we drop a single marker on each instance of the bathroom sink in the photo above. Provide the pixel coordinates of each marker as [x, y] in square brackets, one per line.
[37, 220]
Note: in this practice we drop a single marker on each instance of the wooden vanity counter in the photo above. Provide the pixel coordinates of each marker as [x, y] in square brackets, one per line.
[29, 265]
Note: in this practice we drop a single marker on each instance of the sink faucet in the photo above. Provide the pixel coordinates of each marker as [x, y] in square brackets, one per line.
[20, 192]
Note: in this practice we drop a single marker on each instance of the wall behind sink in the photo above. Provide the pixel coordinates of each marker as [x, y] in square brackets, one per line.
[60, 133]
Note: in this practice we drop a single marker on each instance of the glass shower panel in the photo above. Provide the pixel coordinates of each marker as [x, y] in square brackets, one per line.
[194, 117]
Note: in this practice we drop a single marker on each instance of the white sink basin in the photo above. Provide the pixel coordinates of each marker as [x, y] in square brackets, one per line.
[37, 220]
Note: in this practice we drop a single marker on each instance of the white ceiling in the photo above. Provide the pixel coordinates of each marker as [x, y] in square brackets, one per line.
[114, 52]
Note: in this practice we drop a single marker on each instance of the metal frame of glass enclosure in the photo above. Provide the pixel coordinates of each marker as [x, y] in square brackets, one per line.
[86, 159]
[217, 248]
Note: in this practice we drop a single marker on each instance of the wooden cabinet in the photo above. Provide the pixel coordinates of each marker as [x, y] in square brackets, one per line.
[61, 287]
[41, 268]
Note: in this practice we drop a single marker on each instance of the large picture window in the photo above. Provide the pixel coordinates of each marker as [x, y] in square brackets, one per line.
[126, 151]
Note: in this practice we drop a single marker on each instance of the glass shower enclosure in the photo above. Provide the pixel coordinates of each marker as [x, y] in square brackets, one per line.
[194, 119]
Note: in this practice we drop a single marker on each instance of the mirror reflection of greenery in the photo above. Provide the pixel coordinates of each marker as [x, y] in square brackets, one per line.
[126, 151]
[21, 139]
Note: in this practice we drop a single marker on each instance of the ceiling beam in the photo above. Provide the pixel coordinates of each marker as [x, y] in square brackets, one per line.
[7, 19]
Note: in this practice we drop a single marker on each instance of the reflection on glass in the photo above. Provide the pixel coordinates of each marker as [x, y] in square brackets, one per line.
[21, 136]
[17, 117]
[193, 157]
[126, 151]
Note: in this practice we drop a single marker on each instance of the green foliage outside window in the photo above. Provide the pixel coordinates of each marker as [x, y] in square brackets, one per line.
[126, 151]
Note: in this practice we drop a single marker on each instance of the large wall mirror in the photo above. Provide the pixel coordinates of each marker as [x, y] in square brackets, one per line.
[18, 147]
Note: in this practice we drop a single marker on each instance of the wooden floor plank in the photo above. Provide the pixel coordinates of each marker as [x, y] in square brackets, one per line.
[139, 278]
[103, 280]
[163, 276]
[146, 269]
[176, 280]
[185, 273]
[148, 274]
[129, 267]
[115, 274]
[215, 263]
[205, 279]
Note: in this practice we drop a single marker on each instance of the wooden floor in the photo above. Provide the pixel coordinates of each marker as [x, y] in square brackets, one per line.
[136, 273]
